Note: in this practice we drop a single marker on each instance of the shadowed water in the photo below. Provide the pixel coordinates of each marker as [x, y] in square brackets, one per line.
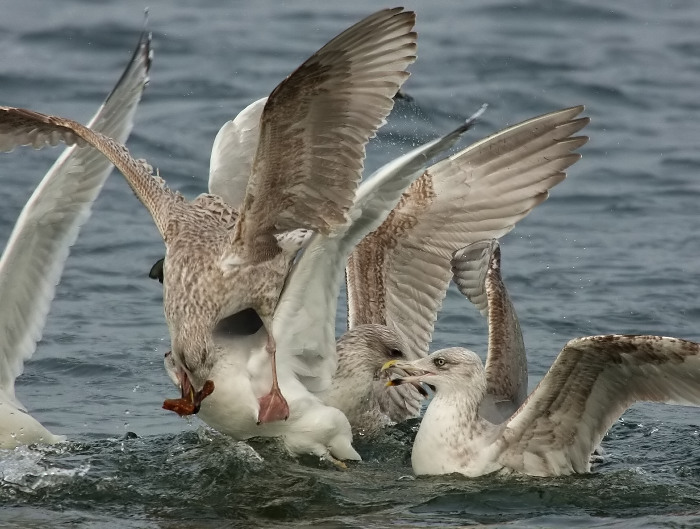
[615, 249]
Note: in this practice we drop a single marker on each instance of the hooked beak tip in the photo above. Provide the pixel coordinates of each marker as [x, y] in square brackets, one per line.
[389, 364]
[191, 400]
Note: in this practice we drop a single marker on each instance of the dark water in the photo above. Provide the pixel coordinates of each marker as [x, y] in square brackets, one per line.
[615, 249]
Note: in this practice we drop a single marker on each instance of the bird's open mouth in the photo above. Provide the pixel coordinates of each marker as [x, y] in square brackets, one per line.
[398, 373]
[191, 400]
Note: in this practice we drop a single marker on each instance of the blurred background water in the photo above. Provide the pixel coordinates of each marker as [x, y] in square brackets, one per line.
[614, 250]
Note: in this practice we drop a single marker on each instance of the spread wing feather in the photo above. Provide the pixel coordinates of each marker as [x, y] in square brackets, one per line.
[591, 383]
[38, 247]
[315, 126]
[304, 322]
[402, 269]
[477, 273]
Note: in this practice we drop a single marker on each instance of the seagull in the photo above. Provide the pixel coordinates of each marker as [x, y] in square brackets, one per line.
[398, 275]
[556, 429]
[307, 165]
[318, 380]
[546, 140]
[36, 252]
[304, 325]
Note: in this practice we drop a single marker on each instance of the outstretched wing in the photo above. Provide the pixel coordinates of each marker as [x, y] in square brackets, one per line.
[591, 383]
[314, 129]
[403, 267]
[476, 270]
[304, 322]
[233, 153]
[38, 247]
[19, 126]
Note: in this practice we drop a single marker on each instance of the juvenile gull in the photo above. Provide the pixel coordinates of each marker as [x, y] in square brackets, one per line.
[555, 431]
[308, 162]
[33, 260]
[308, 304]
[304, 323]
[591, 383]
[398, 275]
[543, 142]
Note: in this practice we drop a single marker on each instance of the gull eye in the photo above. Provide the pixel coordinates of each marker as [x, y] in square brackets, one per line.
[396, 353]
[439, 362]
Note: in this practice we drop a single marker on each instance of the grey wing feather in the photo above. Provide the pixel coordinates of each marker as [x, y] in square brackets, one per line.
[38, 247]
[591, 383]
[476, 194]
[477, 272]
[304, 323]
[233, 154]
[315, 126]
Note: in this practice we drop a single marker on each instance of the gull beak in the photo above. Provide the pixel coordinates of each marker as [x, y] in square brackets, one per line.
[190, 400]
[389, 364]
[405, 373]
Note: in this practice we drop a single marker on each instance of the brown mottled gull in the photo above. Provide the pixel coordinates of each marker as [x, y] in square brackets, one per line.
[308, 162]
[557, 428]
[304, 323]
[591, 383]
[33, 260]
[397, 276]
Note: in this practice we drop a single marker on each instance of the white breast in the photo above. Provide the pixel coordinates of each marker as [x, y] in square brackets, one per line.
[449, 442]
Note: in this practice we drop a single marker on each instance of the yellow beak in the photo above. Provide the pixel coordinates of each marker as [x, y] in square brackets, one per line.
[389, 364]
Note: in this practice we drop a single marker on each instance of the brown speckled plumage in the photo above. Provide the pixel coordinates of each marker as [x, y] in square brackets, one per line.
[367, 267]
[307, 166]
[477, 272]
[357, 388]
[591, 383]
[398, 276]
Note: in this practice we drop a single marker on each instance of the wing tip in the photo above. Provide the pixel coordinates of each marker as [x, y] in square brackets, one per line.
[142, 55]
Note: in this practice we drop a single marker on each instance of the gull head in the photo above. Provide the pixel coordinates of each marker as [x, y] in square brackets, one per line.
[188, 368]
[446, 370]
[190, 400]
[365, 348]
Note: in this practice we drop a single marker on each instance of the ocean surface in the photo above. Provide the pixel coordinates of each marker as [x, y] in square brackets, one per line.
[615, 249]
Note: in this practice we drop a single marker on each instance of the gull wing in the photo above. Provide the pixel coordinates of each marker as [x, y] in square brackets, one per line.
[304, 321]
[591, 383]
[314, 129]
[19, 126]
[233, 154]
[476, 270]
[38, 247]
[476, 194]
